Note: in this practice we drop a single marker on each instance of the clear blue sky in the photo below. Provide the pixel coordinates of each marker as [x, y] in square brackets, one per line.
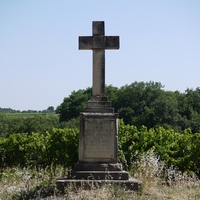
[40, 63]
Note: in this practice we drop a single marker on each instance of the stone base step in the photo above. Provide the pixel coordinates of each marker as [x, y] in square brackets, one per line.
[90, 166]
[131, 184]
[99, 175]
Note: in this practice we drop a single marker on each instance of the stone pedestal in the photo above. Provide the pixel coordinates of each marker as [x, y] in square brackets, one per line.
[98, 160]
[98, 137]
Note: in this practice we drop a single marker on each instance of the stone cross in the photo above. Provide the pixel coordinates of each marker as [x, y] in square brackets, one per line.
[98, 42]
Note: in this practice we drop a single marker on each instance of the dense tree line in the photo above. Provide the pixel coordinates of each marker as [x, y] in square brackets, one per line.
[142, 103]
[10, 110]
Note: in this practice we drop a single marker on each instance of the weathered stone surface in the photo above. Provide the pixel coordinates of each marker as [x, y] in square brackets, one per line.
[99, 104]
[98, 40]
[98, 137]
[98, 28]
[89, 166]
[98, 43]
[98, 175]
[131, 184]
[98, 88]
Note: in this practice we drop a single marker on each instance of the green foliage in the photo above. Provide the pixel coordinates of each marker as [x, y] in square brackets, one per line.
[112, 94]
[189, 109]
[135, 103]
[4, 126]
[50, 109]
[73, 123]
[73, 105]
[11, 112]
[60, 147]
[63, 147]
[178, 149]
[56, 147]
[142, 104]
[28, 125]
[8, 110]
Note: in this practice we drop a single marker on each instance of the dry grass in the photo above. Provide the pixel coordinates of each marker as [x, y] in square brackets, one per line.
[21, 184]
[160, 183]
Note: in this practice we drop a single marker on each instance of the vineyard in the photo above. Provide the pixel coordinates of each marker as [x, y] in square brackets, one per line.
[59, 147]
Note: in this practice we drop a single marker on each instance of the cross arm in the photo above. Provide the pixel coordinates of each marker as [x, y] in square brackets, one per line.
[112, 42]
[85, 42]
[98, 42]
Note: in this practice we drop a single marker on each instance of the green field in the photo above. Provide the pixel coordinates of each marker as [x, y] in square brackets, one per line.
[31, 114]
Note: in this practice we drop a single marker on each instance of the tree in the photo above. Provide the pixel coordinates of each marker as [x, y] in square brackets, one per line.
[72, 106]
[112, 94]
[166, 109]
[135, 102]
[193, 102]
[50, 108]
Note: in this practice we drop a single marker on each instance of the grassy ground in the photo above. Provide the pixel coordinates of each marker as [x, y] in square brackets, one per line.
[18, 184]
